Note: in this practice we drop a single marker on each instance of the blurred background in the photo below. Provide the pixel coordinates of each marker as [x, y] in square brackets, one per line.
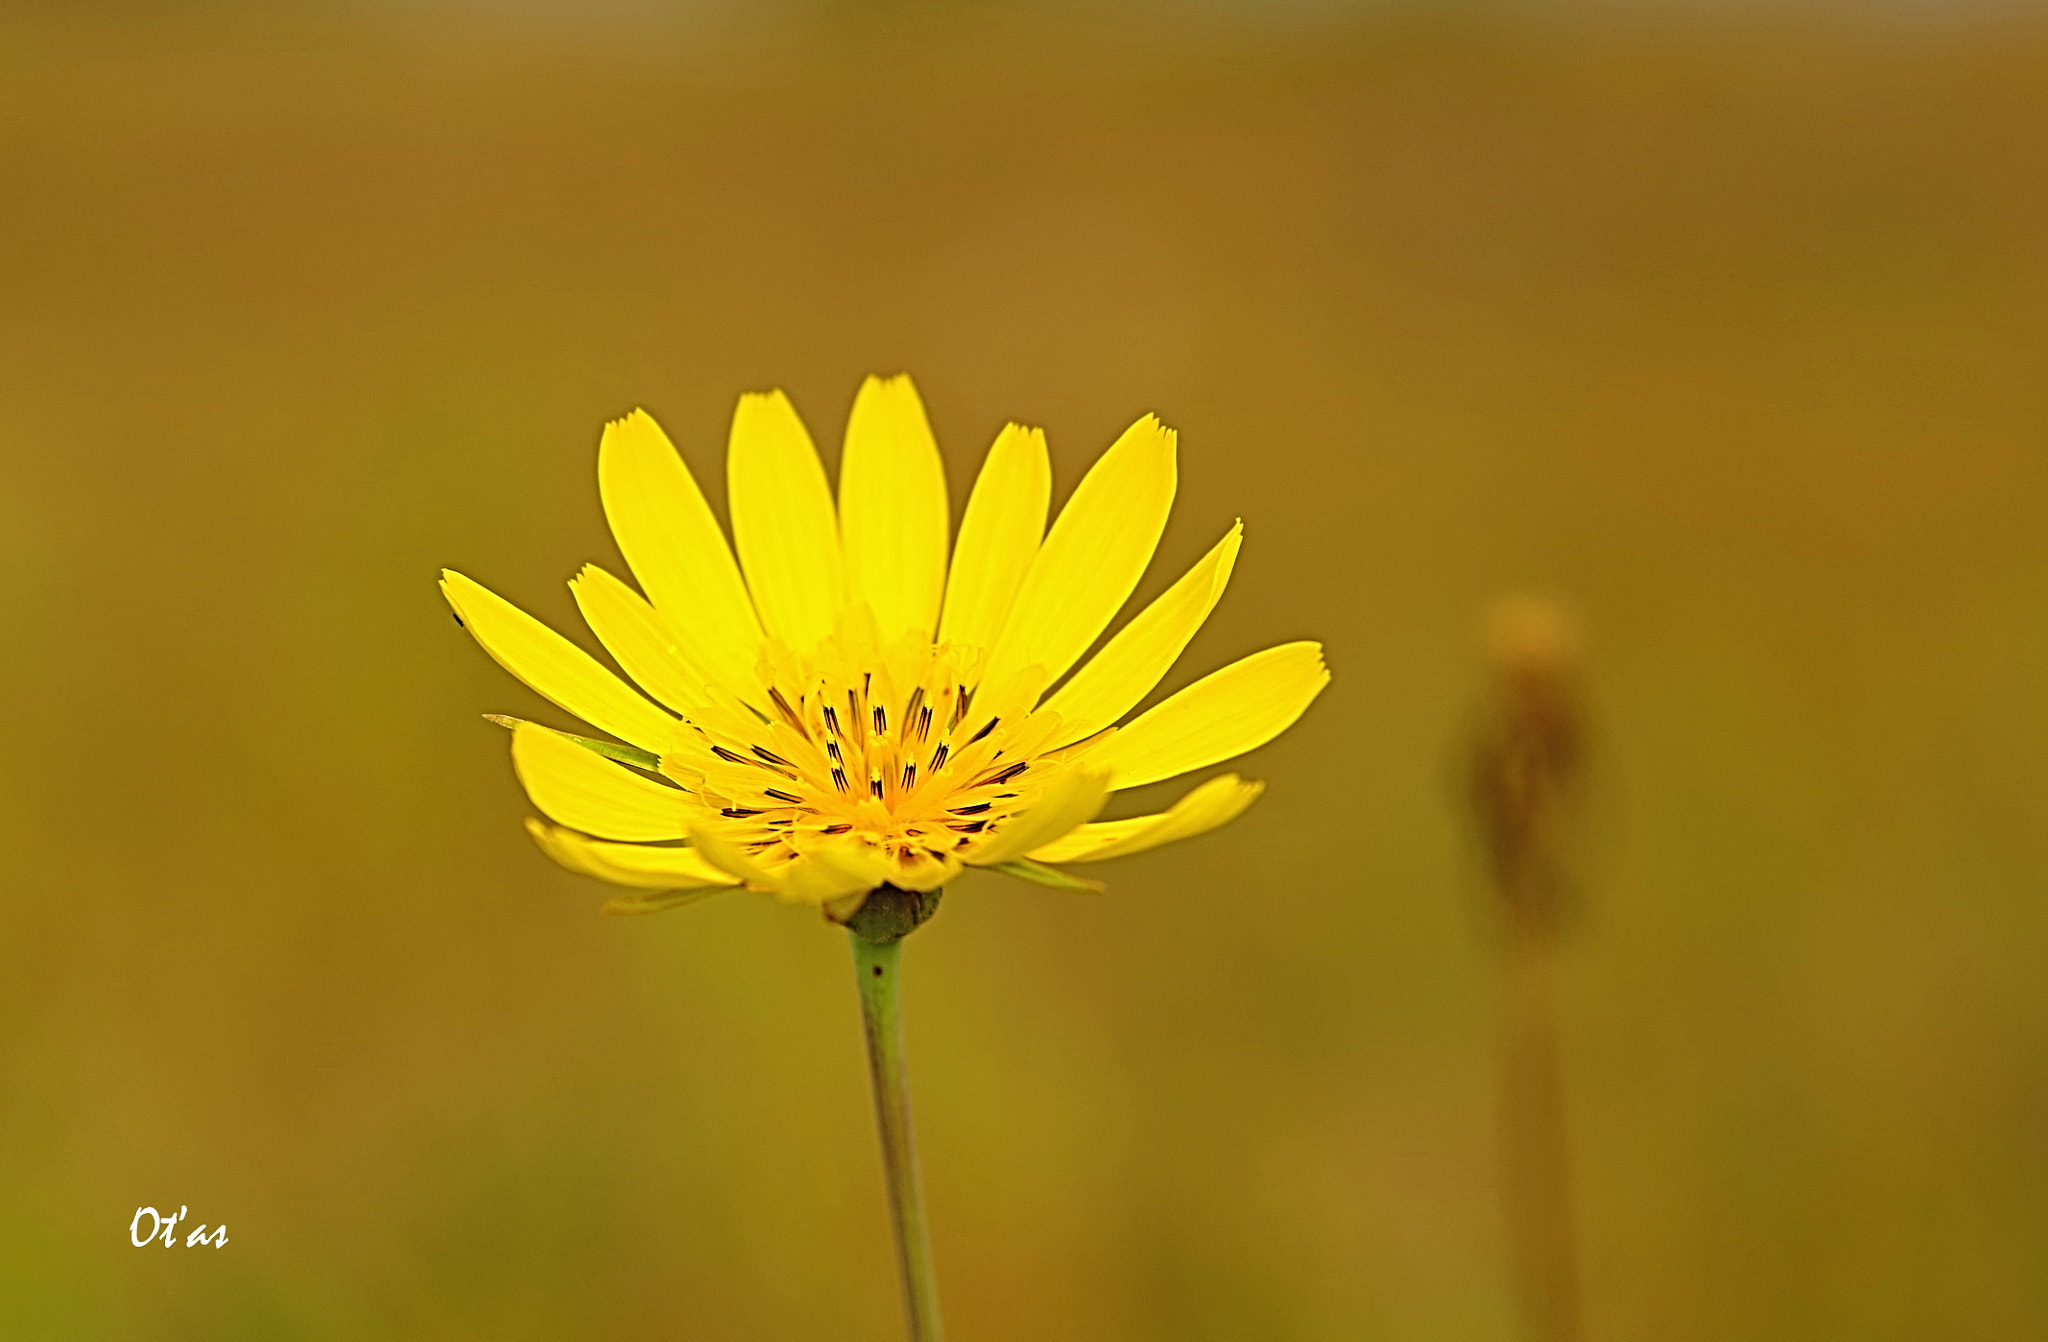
[1723, 325]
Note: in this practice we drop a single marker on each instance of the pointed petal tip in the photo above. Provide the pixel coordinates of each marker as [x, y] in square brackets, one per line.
[765, 398]
[1151, 425]
[756, 409]
[1226, 552]
[1320, 670]
[632, 433]
[1202, 808]
[1309, 648]
[1224, 714]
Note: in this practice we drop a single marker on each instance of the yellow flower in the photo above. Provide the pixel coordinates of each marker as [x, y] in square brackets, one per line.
[842, 708]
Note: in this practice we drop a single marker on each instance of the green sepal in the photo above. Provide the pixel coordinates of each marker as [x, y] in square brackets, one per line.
[612, 750]
[659, 901]
[889, 914]
[1024, 869]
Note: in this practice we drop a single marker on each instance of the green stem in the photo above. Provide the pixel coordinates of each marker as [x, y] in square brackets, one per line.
[1535, 1161]
[875, 963]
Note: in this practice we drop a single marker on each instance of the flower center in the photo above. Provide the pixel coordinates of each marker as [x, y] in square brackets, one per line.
[902, 749]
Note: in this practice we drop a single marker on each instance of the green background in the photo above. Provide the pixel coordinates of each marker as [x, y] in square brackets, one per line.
[1725, 325]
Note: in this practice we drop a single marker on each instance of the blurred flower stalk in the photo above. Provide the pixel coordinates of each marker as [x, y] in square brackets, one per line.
[841, 709]
[1526, 791]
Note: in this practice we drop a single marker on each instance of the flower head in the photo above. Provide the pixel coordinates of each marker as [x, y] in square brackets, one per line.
[844, 705]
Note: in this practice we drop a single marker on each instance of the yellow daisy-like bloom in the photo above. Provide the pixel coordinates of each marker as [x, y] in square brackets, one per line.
[843, 707]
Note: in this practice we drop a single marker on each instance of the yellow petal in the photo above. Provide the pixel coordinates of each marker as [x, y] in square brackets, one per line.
[671, 541]
[844, 907]
[923, 872]
[833, 872]
[1225, 713]
[631, 864]
[729, 859]
[892, 509]
[782, 521]
[554, 666]
[1131, 663]
[1214, 803]
[586, 791]
[1093, 556]
[998, 537]
[1073, 800]
[642, 640]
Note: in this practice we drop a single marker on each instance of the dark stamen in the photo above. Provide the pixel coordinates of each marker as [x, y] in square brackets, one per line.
[832, 719]
[781, 796]
[881, 721]
[772, 757]
[788, 714]
[939, 755]
[839, 778]
[975, 809]
[984, 731]
[909, 777]
[737, 813]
